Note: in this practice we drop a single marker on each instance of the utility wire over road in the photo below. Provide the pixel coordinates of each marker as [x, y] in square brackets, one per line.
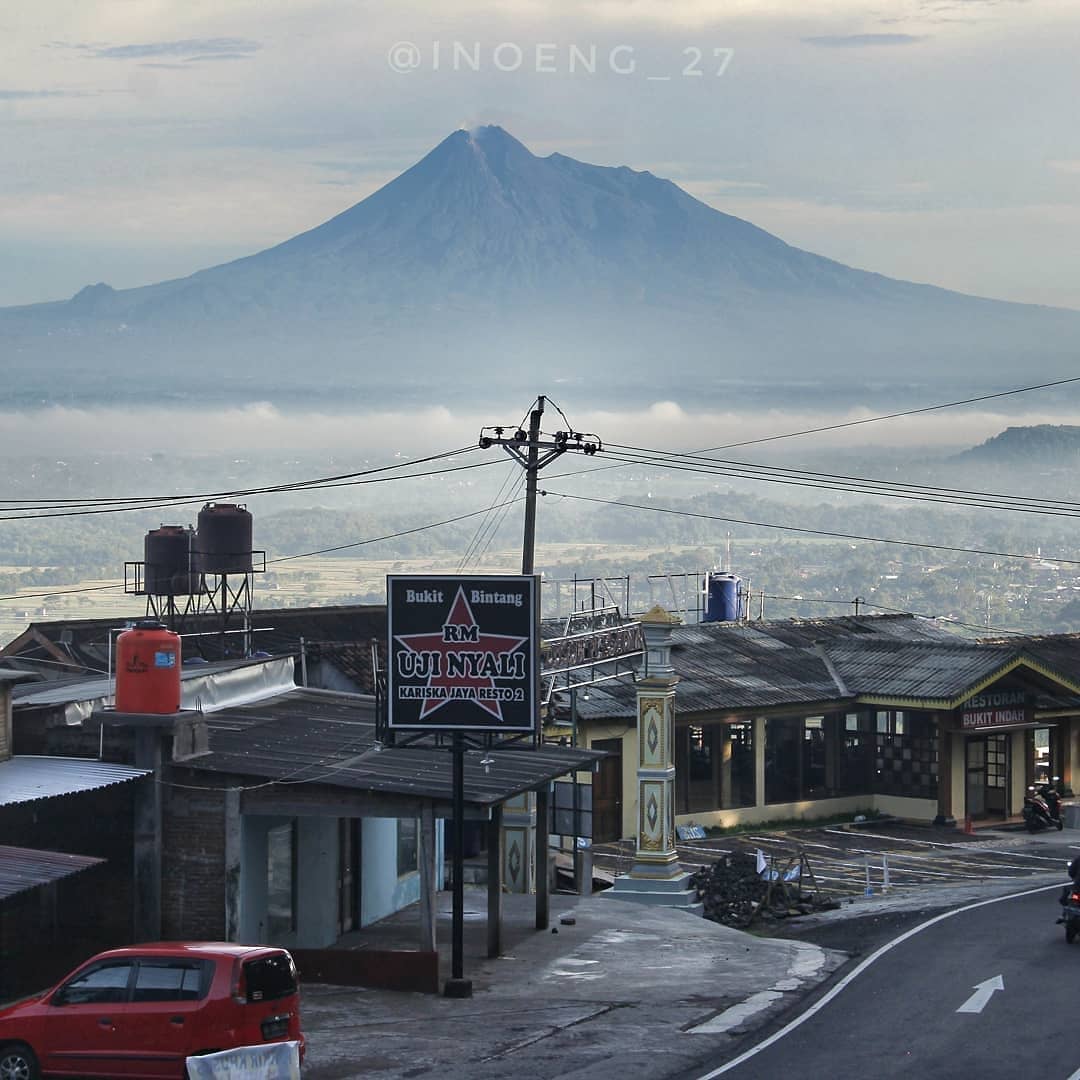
[811, 532]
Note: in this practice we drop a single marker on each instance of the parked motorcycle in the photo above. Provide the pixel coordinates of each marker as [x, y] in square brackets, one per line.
[1042, 808]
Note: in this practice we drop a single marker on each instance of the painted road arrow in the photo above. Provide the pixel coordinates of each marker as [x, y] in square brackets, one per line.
[983, 992]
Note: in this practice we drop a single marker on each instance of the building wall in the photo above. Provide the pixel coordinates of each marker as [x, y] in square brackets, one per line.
[959, 774]
[5, 722]
[913, 809]
[1019, 766]
[382, 892]
[317, 877]
[628, 736]
[193, 863]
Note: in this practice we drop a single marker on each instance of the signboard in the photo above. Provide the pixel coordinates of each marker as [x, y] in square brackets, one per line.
[996, 709]
[462, 653]
[271, 1061]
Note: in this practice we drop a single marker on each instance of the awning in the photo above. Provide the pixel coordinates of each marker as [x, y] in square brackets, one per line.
[26, 777]
[25, 868]
[991, 729]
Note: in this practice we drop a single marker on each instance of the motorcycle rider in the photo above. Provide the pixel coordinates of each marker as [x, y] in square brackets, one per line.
[1074, 882]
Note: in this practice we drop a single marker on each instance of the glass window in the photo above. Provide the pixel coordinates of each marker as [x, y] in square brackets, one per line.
[281, 880]
[407, 855]
[106, 984]
[814, 780]
[855, 756]
[740, 791]
[704, 752]
[168, 980]
[269, 978]
[782, 759]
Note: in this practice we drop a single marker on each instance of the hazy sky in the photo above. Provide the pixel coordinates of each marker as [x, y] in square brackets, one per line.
[934, 140]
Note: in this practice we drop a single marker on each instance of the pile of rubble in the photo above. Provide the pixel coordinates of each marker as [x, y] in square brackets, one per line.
[736, 892]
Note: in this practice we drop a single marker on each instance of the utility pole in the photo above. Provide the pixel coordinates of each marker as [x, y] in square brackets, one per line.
[533, 450]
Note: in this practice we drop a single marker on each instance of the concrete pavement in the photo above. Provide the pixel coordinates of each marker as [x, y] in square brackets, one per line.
[647, 991]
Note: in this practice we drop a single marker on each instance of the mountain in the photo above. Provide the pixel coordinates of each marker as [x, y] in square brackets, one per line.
[483, 266]
[1056, 445]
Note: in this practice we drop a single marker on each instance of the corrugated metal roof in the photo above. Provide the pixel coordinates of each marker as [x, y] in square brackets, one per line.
[66, 690]
[25, 868]
[764, 664]
[25, 777]
[320, 737]
[919, 670]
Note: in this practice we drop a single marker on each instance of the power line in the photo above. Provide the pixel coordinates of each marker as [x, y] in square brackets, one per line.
[897, 415]
[389, 536]
[343, 480]
[62, 592]
[850, 423]
[814, 532]
[289, 558]
[941, 496]
[504, 489]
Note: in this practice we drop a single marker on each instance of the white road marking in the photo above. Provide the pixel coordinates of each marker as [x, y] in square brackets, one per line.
[984, 991]
[842, 985]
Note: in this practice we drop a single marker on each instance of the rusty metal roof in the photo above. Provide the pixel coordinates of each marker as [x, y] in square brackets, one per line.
[321, 737]
[25, 868]
[26, 778]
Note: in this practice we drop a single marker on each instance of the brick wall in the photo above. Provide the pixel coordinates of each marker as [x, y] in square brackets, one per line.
[5, 722]
[193, 857]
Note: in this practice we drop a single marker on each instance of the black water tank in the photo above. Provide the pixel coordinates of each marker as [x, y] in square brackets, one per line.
[223, 539]
[168, 554]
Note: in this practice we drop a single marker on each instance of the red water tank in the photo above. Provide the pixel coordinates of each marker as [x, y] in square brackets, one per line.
[148, 669]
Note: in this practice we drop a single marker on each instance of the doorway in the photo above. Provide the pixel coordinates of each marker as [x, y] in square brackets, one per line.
[987, 775]
[607, 792]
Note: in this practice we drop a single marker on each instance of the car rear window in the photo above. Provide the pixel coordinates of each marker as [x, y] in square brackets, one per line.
[269, 977]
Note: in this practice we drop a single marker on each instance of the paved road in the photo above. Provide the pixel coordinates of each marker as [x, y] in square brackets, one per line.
[988, 991]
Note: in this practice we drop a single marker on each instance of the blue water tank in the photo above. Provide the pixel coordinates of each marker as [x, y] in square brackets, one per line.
[723, 598]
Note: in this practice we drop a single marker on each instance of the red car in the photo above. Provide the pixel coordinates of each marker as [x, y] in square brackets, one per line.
[140, 1011]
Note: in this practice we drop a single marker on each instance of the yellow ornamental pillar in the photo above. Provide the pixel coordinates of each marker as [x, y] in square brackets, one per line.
[657, 876]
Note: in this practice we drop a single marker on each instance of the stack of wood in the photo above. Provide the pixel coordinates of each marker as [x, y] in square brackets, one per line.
[735, 893]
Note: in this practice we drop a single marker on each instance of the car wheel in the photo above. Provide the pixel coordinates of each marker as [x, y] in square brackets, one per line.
[1070, 931]
[17, 1062]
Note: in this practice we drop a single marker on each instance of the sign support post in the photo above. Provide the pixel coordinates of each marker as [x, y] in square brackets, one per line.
[458, 986]
[463, 672]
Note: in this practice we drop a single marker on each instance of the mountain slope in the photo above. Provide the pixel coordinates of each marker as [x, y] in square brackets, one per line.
[483, 255]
